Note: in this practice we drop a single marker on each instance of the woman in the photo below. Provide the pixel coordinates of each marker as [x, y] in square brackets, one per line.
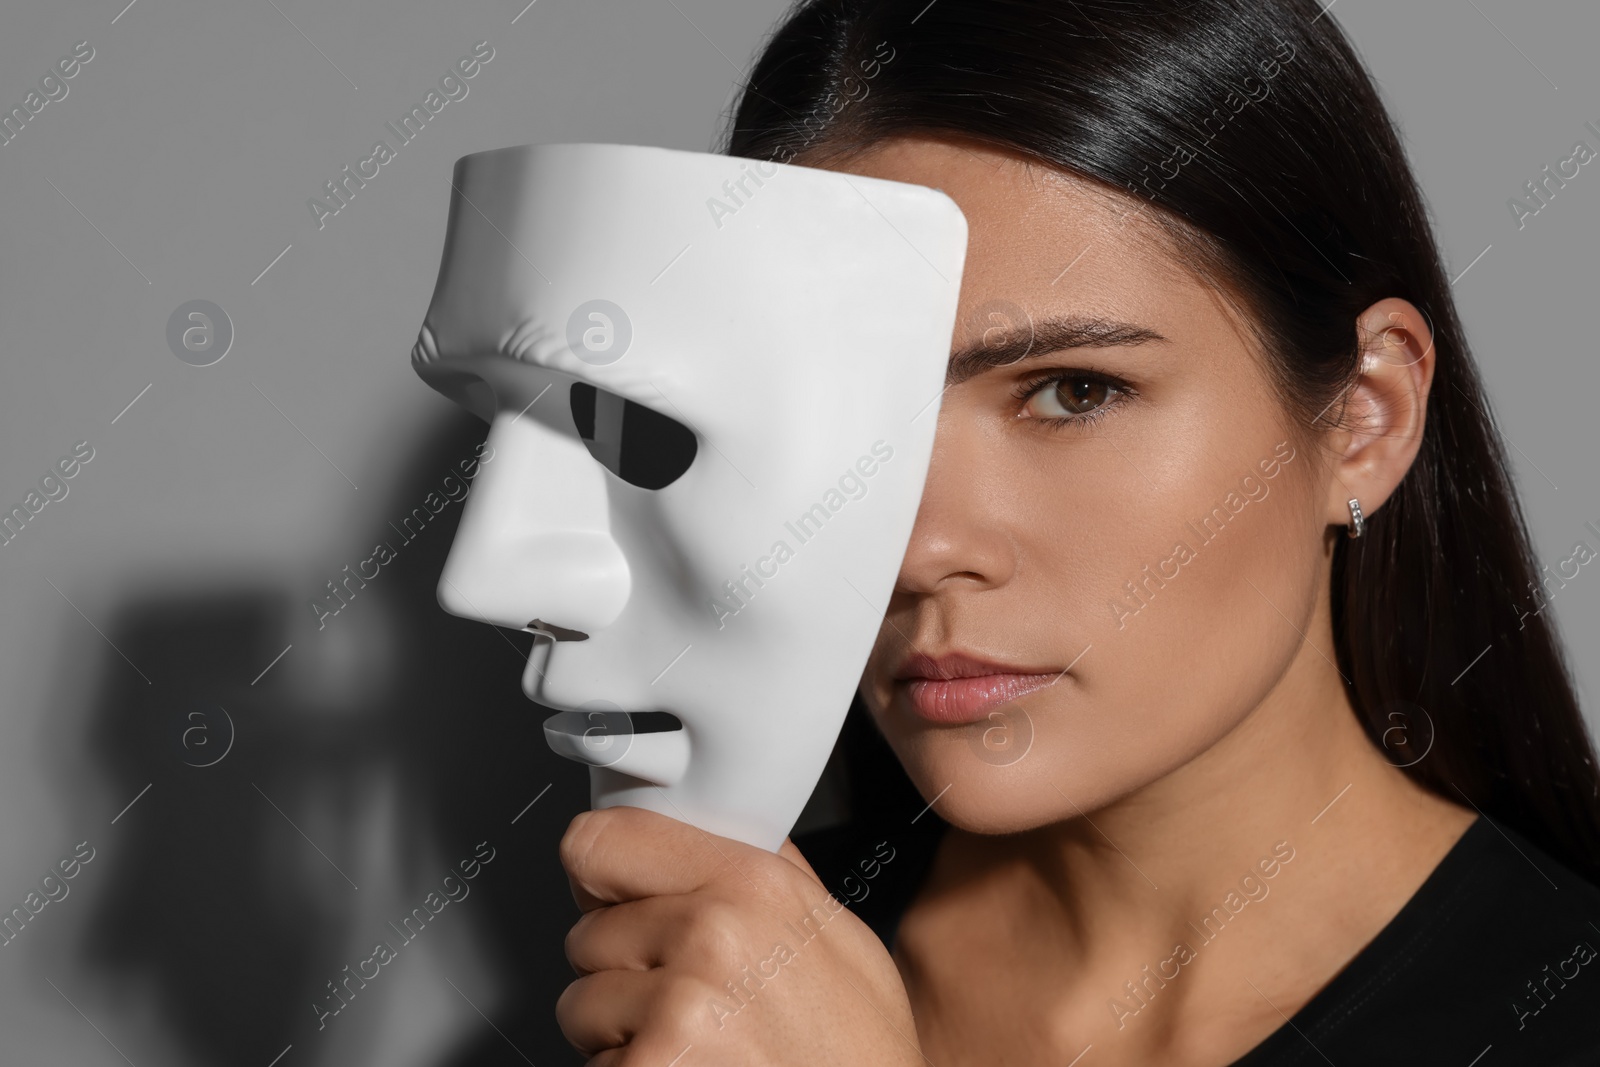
[1216, 659]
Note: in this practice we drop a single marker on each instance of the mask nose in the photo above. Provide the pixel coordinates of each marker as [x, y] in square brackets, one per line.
[534, 540]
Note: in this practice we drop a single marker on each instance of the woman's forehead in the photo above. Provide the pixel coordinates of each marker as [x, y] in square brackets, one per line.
[1046, 243]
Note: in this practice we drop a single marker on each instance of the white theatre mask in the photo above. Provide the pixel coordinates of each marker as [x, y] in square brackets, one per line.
[712, 386]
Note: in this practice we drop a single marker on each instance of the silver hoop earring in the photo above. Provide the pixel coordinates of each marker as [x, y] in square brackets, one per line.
[1357, 523]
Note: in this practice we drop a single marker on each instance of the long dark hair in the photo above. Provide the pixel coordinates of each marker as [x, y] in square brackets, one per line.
[1258, 137]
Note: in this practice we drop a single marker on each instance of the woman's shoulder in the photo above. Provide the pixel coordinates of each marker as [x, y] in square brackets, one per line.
[1495, 959]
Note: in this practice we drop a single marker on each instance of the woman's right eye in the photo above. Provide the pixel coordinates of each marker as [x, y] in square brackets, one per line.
[1070, 396]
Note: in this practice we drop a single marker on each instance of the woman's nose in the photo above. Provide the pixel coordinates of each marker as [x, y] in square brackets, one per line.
[960, 537]
[535, 538]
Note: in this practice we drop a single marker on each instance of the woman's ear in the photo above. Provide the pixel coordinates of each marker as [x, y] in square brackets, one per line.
[1380, 428]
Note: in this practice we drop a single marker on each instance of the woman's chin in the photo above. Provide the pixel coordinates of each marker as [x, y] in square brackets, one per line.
[990, 799]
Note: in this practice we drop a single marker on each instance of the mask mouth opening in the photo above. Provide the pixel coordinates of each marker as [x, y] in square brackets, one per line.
[654, 722]
[638, 444]
[597, 723]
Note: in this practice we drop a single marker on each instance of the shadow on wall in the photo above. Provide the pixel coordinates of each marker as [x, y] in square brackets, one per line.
[375, 753]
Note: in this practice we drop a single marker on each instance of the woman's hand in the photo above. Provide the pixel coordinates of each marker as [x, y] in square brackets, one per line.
[700, 951]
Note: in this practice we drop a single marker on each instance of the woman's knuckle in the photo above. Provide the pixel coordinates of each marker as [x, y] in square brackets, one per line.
[715, 931]
[679, 1002]
[771, 881]
[684, 998]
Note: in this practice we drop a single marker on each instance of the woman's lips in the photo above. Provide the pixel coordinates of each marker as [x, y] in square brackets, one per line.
[960, 700]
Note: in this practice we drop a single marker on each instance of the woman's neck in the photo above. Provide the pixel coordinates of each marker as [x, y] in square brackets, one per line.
[1188, 920]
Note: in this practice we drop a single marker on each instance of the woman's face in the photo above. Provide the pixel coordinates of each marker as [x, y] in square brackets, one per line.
[1123, 513]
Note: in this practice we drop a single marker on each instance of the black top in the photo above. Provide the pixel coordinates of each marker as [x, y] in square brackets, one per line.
[1495, 960]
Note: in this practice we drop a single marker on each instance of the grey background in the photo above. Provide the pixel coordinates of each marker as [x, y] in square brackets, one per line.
[379, 750]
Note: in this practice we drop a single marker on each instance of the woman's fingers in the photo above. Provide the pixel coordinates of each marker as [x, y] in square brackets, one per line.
[604, 1010]
[620, 937]
[626, 853]
[608, 1009]
[640, 934]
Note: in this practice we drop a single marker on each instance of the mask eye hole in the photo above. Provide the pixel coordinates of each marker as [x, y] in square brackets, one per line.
[638, 444]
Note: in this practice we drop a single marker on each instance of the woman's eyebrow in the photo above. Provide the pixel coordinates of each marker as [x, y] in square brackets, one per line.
[1003, 346]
